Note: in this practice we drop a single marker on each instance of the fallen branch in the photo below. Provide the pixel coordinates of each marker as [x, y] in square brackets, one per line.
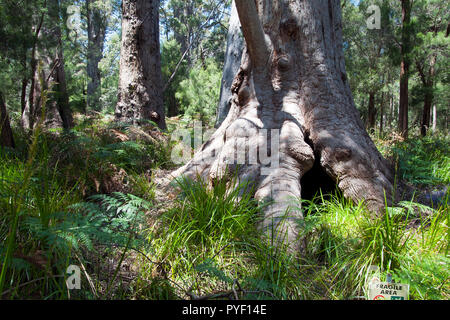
[230, 294]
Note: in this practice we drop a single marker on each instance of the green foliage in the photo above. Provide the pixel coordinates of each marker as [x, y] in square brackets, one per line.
[199, 93]
[194, 33]
[41, 193]
[211, 216]
[109, 67]
[427, 276]
[106, 220]
[424, 161]
[170, 57]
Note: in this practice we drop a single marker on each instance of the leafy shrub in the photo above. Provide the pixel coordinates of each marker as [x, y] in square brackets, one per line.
[199, 93]
[424, 161]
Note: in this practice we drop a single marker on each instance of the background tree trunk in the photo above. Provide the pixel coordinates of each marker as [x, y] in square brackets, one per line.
[96, 28]
[6, 136]
[184, 36]
[382, 115]
[372, 113]
[140, 80]
[28, 109]
[428, 85]
[426, 113]
[404, 68]
[434, 119]
[233, 57]
[48, 75]
[292, 82]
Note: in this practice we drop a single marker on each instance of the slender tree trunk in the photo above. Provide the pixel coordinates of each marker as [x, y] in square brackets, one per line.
[61, 85]
[403, 105]
[382, 114]
[428, 83]
[405, 65]
[292, 108]
[172, 105]
[426, 114]
[23, 94]
[434, 119]
[28, 112]
[372, 112]
[233, 57]
[140, 80]
[6, 136]
[48, 75]
[96, 27]
[183, 37]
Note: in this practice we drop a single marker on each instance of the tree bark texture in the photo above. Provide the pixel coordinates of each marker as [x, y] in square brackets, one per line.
[140, 79]
[292, 82]
[233, 57]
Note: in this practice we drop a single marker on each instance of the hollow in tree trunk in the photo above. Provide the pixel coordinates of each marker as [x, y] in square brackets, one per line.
[293, 84]
[140, 80]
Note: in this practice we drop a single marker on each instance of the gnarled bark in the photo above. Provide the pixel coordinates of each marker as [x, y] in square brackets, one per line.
[140, 80]
[292, 82]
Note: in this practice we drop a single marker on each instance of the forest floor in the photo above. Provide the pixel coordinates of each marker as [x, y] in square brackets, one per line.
[99, 198]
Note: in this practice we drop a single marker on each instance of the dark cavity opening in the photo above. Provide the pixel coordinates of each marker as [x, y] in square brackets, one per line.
[316, 181]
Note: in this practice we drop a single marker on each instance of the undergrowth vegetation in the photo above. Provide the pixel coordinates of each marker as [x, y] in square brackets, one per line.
[88, 198]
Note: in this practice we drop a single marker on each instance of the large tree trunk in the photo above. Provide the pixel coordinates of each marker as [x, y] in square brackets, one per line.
[404, 68]
[233, 57]
[292, 82]
[6, 136]
[96, 27]
[48, 78]
[140, 80]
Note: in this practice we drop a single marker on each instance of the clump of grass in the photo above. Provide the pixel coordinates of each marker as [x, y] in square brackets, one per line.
[206, 219]
[209, 244]
[346, 240]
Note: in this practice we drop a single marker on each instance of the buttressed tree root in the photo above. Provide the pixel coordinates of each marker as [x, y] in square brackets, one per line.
[291, 108]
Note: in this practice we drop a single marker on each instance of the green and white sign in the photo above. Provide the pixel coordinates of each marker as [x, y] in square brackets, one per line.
[388, 291]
